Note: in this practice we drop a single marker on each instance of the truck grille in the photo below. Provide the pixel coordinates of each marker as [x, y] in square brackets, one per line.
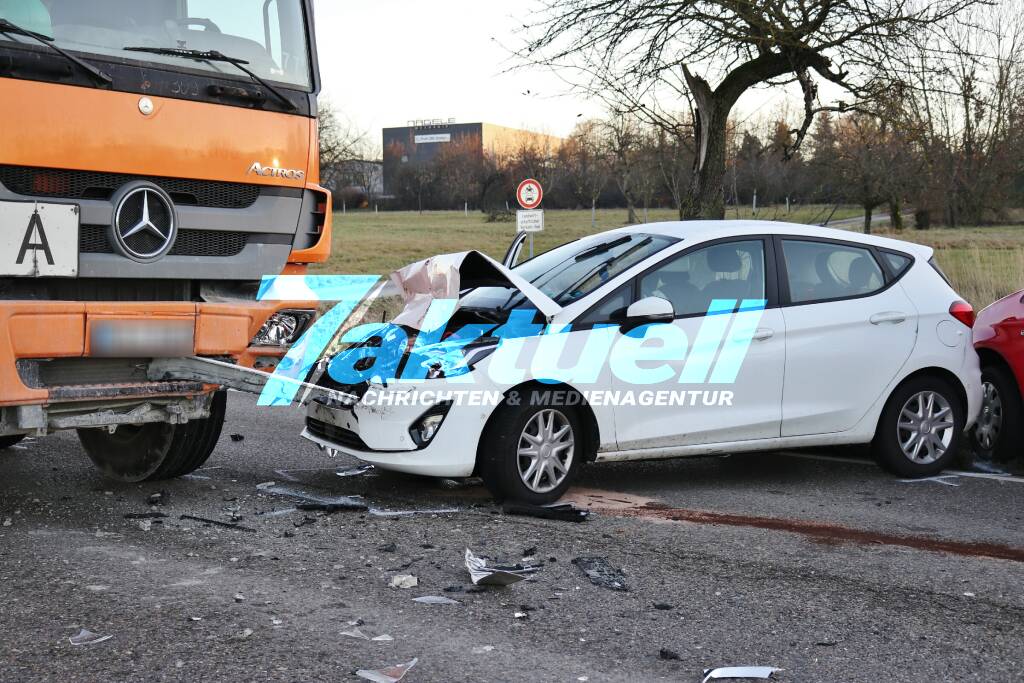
[68, 184]
[93, 240]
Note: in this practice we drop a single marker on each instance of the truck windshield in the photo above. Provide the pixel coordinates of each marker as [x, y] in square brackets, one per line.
[269, 35]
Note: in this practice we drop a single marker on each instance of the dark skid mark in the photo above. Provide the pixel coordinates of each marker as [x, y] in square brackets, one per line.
[830, 534]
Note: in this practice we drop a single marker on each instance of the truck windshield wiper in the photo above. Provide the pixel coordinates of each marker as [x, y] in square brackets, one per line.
[214, 56]
[15, 30]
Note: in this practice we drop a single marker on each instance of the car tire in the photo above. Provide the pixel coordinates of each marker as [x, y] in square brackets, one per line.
[504, 463]
[998, 434]
[8, 441]
[152, 452]
[925, 417]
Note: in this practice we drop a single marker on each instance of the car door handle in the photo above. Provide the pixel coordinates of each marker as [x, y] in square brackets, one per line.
[763, 334]
[894, 317]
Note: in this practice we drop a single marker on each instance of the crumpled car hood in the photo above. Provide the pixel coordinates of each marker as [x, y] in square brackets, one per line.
[444, 276]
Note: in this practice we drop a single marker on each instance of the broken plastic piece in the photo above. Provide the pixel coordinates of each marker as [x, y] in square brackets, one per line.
[331, 508]
[84, 637]
[435, 600]
[760, 672]
[601, 573]
[214, 522]
[354, 471]
[496, 575]
[563, 512]
[391, 674]
[310, 497]
[404, 581]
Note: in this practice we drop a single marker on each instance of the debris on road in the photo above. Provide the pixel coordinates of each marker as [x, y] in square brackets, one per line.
[404, 581]
[145, 515]
[350, 505]
[496, 575]
[85, 637]
[388, 548]
[601, 573]
[391, 674]
[669, 655]
[237, 437]
[159, 498]
[563, 512]
[354, 471]
[358, 633]
[239, 597]
[435, 600]
[215, 522]
[664, 606]
[734, 672]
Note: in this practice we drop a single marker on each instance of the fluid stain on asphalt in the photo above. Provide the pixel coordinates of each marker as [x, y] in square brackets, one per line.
[827, 533]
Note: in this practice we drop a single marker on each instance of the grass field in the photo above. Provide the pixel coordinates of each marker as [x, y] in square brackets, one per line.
[983, 263]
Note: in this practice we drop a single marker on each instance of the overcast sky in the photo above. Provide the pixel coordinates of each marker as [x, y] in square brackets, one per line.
[385, 62]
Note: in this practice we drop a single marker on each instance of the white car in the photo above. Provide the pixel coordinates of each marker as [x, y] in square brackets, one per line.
[815, 337]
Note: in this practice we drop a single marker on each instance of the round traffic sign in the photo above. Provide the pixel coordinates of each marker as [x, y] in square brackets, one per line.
[530, 194]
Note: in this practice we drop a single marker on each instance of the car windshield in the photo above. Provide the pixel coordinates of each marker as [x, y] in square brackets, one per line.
[268, 34]
[574, 270]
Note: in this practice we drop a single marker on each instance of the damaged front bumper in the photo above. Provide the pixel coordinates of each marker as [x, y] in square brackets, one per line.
[386, 431]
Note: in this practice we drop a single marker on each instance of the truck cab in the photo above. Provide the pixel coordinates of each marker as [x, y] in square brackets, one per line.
[159, 158]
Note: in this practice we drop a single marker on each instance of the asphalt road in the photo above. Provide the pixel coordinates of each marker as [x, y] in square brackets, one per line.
[827, 568]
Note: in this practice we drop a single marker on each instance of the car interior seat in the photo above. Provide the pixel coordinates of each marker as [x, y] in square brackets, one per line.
[864, 275]
[726, 260]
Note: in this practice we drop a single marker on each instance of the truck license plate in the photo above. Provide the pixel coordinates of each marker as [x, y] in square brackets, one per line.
[38, 239]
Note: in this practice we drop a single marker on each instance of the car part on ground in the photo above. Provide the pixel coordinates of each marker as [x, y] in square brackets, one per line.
[918, 433]
[8, 441]
[158, 450]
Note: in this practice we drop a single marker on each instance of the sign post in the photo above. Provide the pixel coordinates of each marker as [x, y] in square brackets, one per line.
[530, 194]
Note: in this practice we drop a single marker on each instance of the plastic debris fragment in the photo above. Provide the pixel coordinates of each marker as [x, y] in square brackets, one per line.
[404, 581]
[601, 573]
[739, 672]
[391, 674]
[435, 600]
[85, 637]
[481, 573]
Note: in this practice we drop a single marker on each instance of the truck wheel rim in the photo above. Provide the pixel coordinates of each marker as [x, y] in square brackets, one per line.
[545, 452]
[925, 428]
[990, 422]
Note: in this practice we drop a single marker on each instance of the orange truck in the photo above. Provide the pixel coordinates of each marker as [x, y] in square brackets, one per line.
[158, 158]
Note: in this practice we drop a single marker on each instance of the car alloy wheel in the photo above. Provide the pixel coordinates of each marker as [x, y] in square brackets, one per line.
[990, 422]
[545, 451]
[926, 427]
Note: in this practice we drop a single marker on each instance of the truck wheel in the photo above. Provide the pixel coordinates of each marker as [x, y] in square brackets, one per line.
[531, 453]
[8, 441]
[998, 434]
[919, 432]
[155, 451]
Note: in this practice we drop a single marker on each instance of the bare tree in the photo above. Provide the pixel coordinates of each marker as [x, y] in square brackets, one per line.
[340, 141]
[720, 49]
[586, 166]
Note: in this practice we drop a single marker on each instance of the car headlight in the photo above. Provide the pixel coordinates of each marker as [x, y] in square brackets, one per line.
[283, 328]
[425, 428]
[458, 359]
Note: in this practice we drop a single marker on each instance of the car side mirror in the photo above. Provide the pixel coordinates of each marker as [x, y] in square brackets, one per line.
[652, 309]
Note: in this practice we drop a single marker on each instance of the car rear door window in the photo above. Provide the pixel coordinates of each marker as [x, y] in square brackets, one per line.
[823, 271]
[733, 270]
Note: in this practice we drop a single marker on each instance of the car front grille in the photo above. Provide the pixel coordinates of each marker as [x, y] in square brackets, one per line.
[338, 435]
[92, 239]
[69, 184]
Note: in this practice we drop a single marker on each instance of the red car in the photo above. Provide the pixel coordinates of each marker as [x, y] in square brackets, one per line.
[999, 339]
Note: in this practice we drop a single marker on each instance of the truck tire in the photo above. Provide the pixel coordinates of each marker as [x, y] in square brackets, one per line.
[155, 451]
[920, 430]
[547, 438]
[8, 441]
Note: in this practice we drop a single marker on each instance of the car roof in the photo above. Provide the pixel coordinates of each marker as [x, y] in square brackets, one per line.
[704, 230]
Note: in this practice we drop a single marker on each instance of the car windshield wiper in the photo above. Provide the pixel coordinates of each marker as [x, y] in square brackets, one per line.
[214, 56]
[15, 30]
[602, 248]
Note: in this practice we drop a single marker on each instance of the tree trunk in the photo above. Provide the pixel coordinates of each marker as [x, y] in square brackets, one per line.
[631, 217]
[868, 210]
[707, 188]
[895, 217]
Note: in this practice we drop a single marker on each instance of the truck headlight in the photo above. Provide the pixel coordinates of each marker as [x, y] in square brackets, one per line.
[283, 328]
[425, 428]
